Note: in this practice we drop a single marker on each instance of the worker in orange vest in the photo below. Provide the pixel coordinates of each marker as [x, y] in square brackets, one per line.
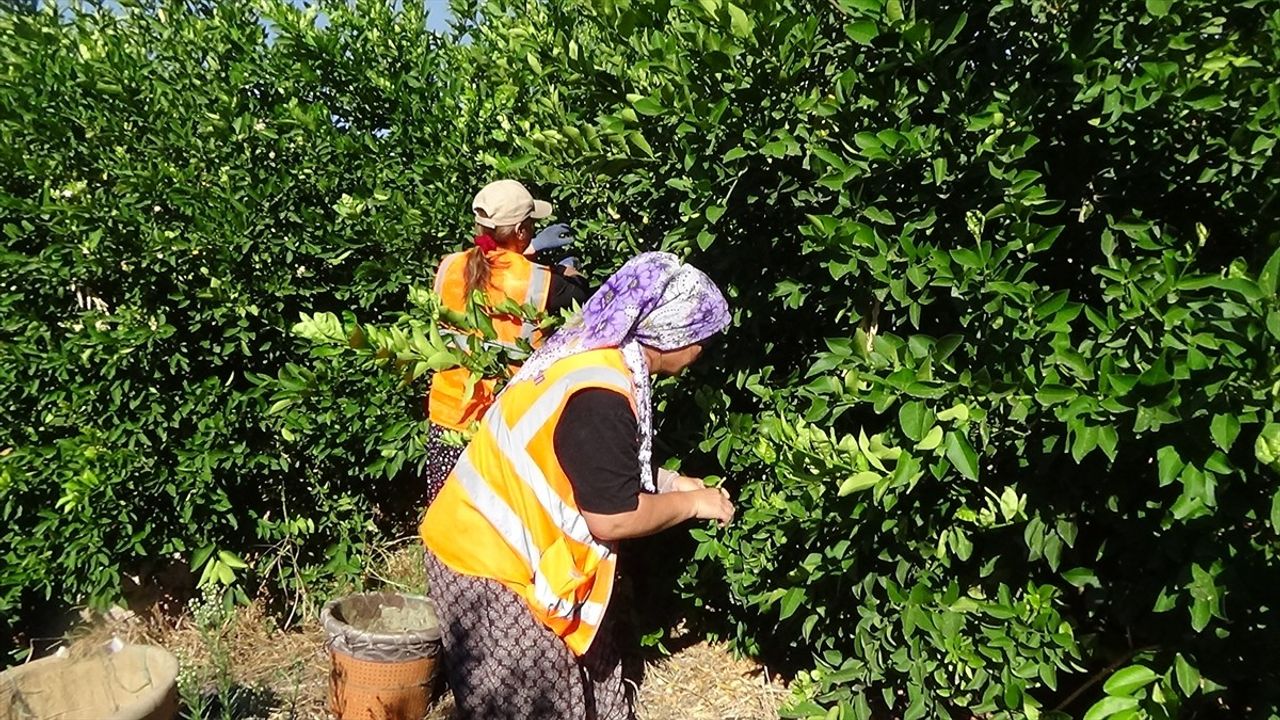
[522, 540]
[499, 265]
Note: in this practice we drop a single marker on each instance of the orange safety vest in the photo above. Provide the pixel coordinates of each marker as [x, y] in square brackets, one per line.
[507, 511]
[512, 276]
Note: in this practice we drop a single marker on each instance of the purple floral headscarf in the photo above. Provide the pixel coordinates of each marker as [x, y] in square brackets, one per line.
[654, 300]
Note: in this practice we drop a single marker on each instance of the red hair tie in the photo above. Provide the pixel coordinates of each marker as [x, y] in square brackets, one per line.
[486, 243]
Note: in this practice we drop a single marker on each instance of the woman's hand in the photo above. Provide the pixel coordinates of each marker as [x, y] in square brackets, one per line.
[553, 236]
[712, 504]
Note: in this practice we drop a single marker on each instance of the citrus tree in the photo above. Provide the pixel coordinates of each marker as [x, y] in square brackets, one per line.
[1006, 321]
[999, 399]
[178, 181]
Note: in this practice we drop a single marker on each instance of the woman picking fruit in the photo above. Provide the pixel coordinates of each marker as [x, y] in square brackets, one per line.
[498, 266]
[522, 540]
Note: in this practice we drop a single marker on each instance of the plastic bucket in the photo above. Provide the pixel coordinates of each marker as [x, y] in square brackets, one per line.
[383, 648]
[137, 682]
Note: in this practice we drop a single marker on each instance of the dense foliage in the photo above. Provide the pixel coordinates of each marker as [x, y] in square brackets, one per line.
[999, 395]
[174, 191]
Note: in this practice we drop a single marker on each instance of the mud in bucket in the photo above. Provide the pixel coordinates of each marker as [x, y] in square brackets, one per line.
[384, 649]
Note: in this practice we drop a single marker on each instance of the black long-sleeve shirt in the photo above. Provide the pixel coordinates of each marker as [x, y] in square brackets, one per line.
[564, 291]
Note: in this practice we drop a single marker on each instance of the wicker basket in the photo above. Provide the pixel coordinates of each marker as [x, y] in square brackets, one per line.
[136, 682]
[380, 675]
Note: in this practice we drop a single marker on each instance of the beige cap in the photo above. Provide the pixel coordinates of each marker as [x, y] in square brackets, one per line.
[507, 202]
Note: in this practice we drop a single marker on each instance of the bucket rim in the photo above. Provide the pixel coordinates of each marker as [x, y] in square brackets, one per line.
[334, 625]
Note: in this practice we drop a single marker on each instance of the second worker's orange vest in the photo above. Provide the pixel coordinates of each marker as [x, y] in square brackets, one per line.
[512, 276]
[507, 511]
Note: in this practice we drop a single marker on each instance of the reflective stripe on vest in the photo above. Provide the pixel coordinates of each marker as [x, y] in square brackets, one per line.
[508, 524]
[515, 441]
[507, 511]
[539, 285]
[442, 272]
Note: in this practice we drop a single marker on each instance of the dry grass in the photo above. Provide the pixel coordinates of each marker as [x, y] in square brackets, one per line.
[286, 671]
[705, 682]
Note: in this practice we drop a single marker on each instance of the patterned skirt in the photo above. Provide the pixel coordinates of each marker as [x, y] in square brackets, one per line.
[503, 664]
[441, 457]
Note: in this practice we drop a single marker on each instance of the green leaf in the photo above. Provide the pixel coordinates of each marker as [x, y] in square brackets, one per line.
[200, 556]
[916, 710]
[790, 602]
[967, 258]
[1081, 577]
[1159, 8]
[1269, 278]
[932, 439]
[875, 214]
[1267, 447]
[805, 709]
[1053, 551]
[1225, 429]
[962, 455]
[1244, 287]
[740, 22]
[1010, 503]
[1013, 695]
[1126, 680]
[1086, 439]
[867, 141]
[929, 390]
[1201, 614]
[828, 157]
[1187, 675]
[638, 140]
[958, 412]
[647, 106]
[946, 345]
[231, 560]
[225, 574]
[443, 360]
[210, 573]
[1275, 512]
[534, 63]
[1165, 602]
[859, 481]
[824, 223]
[862, 31]
[1169, 465]
[1108, 439]
[1052, 304]
[1108, 706]
[915, 419]
[1205, 595]
[1054, 394]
